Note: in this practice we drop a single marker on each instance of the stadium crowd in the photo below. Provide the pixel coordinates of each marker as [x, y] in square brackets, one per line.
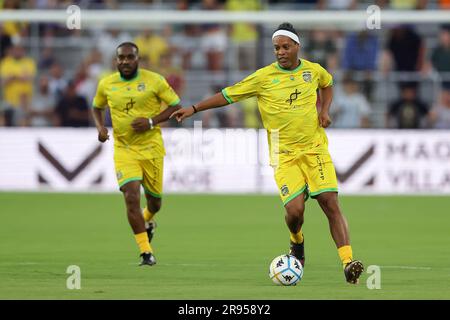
[398, 77]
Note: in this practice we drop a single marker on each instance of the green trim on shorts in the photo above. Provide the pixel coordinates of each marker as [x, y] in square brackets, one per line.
[129, 180]
[291, 197]
[151, 193]
[225, 95]
[313, 194]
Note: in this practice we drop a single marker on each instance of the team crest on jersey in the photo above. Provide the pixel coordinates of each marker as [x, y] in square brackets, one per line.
[307, 76]
[119, 175]
[284, 190]
[141, 86]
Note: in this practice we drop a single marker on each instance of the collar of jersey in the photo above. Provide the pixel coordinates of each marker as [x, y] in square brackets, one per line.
[134, 78]
[289, 71]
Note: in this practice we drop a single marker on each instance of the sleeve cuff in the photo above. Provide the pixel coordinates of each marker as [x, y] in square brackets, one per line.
[174, 103]
[225, 95]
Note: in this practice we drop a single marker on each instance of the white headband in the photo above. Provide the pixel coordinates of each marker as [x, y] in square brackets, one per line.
[286, 33]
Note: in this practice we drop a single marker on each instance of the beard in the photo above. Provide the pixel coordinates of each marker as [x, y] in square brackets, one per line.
[130, 76]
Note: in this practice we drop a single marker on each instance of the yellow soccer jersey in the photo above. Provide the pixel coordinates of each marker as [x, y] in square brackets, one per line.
[287, 102]
[130, 99]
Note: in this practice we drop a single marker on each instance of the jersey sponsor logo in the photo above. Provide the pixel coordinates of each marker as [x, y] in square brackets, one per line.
[293, 96]
[114, 89]
[307, 76]
[129, 106]
[276, 81]
[141, 86]
[284, 190]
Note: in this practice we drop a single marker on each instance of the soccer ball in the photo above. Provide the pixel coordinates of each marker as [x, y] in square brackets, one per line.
[286, 270]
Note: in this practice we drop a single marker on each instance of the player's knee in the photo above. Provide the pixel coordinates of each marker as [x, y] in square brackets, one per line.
[132, 199]
[295, 210]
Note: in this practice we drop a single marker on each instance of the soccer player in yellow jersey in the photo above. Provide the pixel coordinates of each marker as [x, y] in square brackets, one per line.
[134, 98]
[287, 94]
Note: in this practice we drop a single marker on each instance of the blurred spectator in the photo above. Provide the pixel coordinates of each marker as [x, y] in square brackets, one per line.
[17, 73]
[341, 4]
[440, 57]
[360, 55]
[383, 4]
[43, 4]
[47, 59]
[85, 84]
[43, 105]
[350, 109]
[107, 42]
[152, 46]
[5, 42]
[72, 109]
[440, 113]
[405, 49]
[444, 4]
[57, 82]
[182, 4]
[408, 4]
[214, 39]
[322, 49]
[244, 35]
[173, 75]
[100, 4]
[186, 43]
[409, 111]
[15, 30]
[94, 63]
[222, 117]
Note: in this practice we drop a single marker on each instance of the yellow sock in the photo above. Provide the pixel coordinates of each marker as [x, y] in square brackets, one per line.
[345, 253]
[148, 215]
[142, 241]
[297, 237]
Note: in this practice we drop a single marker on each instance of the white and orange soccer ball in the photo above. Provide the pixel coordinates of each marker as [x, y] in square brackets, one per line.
[285, 270]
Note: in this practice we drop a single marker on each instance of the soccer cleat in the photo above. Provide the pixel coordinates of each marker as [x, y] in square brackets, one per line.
[147, 259]
[298, 250]
[150, 228]
[353, 271]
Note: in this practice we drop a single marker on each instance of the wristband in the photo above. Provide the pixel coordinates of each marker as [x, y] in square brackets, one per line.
[150, 122]
[195, 110]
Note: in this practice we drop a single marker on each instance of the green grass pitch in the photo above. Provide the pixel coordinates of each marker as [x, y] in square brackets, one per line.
[217, 247]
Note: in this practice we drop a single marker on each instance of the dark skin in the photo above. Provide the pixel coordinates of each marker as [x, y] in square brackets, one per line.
[127, 60]
[286, 52]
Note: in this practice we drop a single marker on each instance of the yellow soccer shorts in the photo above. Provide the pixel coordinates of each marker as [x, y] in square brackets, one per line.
[148, 171]
[311, 172]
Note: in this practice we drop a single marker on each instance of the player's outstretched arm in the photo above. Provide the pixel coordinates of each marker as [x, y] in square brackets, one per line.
[216, 101]
[99, 118]
[144, 124]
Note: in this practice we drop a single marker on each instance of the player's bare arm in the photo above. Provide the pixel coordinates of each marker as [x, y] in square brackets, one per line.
[99, 118]
[144, 124]
[326, 98]
[215, 101]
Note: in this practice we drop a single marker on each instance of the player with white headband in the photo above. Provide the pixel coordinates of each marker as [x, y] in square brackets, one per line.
[287, 97]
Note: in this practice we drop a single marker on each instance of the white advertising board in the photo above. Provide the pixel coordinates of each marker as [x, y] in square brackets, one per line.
[225, 161]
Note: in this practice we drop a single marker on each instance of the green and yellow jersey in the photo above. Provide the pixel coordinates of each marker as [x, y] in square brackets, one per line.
[133, 98]
[287, 102]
